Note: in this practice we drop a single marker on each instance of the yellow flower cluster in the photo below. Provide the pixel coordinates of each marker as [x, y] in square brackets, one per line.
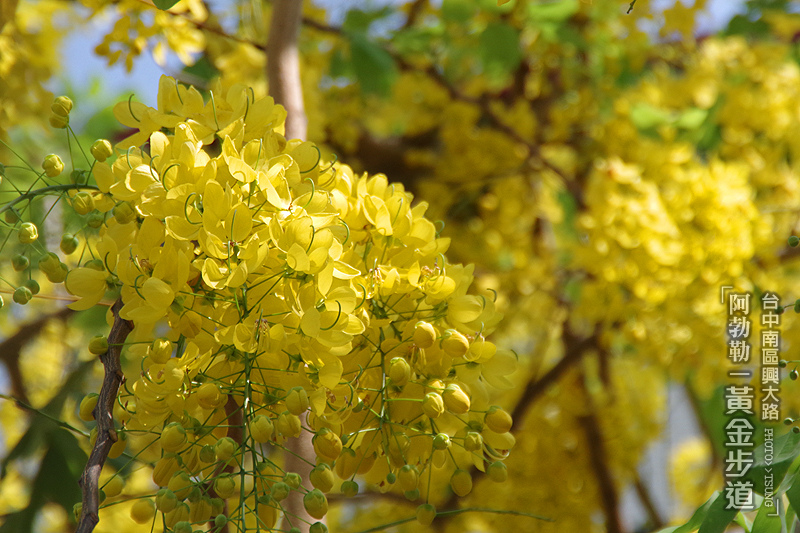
[290, 286]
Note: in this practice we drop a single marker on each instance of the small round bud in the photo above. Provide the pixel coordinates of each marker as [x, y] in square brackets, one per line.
[225, 487]
[441, 441]
[473, 442]
[61, 106]
[349, 488]
[411, 495]
[318, 527]
[793, 375]
[123, 213]
[795, 429]
[207, 454]
[166, 500]
[455, 344]
[32, 285]
[327, 444]
[114, 486]
[101, 149]
[11, 216]
[408, 477]
[96, 219]
[184, 526]
[794, 240]
[58, 122]
[143, 511]
[86, 411]
[220, 520]
[788, 421]
[461, 482]
[261, 428]
[782, 363]
[297, 401]
[498, 420]
[391, 477]
[118, 448]
[322, 477]
[83, 203]
[28, 232]
[69, 243]
[797, 306]
[225, 448]
[98, 345]
[22, 295]
[455, 399]
[497, 471]
[433, 405]
[173, 437]
[399, 371]
[280, 491]
[292, 479]
[425, 514]
[52, 165]
[160, 350]
[78, 177]
[288, 425]
[181, 484]
[424, 334]
[20, 262]
[315, 503]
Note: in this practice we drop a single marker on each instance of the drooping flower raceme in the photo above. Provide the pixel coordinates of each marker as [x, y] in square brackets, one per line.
[289, 285]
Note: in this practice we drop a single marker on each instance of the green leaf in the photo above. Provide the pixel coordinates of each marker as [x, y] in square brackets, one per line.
[557, 11]
[768, 520]
[646, 116]
[374, 68]
[358, 21]
[711, 517]
[165, 4]
[499, 50]
[785, 449]
[459, 11]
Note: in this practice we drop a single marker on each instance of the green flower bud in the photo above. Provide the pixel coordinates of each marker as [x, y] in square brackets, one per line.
[327, 444]
[86, 409]
[399, 371]
[101, 149]
[288, 425]
[318, 527]
[261, 428]
[322, 477]
[69, 243]
[455, 344]
[433, 405]
[184, 526]
[408, 477]
[83, 203]
[497, 471]
[441, 441]
[11, 216]
[280, 491]
[22, 295]
[78, 177]
[425, 514]
[225, 487]
[473, 442]
[424, 334]
[207, 454]
[98, 345]
[297, 401]
[461, 482]
[173, 436]
[58, 122]
[349, 488]
[28, 233]
[143, 511]
[96, 219]
[49, 264]
[166, 500]
[391, 477]
[794, 240]
[220, 520]
[59, 274]
[456, 400]
[225, 448]
[124, 213]
[61, 106]
[20, 262]
[315, 503]
[52, 165]
[498, 420]
[411, 495]
[32, 285]
[292, 479]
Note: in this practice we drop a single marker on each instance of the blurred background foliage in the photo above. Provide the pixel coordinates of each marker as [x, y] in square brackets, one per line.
[606, 166]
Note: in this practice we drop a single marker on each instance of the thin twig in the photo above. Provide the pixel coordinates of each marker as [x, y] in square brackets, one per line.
[598, 458]
[103, 413]
[656, 522]
[11, 348]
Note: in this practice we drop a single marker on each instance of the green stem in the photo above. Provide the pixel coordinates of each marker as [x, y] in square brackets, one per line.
[45, 190]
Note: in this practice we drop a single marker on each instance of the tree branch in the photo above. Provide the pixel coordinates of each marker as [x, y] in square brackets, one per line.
[103, 413]
[11, 348]
[283, 65]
